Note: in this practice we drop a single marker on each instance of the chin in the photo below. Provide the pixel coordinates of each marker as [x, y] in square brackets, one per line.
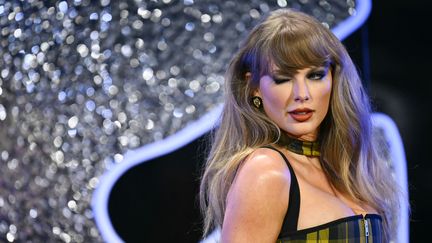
[301, 131]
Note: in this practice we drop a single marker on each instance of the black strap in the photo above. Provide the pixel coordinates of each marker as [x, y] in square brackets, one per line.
[292, 214]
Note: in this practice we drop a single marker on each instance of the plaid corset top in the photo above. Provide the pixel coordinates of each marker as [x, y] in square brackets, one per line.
[351, 229]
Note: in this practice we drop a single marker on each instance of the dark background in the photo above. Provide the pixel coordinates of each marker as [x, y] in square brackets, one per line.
[401, 84]
[393, 54]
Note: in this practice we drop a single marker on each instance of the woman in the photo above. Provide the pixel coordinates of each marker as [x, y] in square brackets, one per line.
[292, 158]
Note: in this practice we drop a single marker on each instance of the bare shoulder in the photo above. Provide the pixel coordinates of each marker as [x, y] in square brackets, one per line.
[263, 168]
[258, 198]
[266, 157]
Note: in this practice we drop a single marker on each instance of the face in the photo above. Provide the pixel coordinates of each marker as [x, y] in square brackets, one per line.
[298, 103]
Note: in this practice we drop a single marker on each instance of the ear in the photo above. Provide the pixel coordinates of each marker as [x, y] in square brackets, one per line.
[248, 76]
[256, 92]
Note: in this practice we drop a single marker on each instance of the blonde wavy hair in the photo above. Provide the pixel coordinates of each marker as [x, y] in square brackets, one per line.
[292, 40]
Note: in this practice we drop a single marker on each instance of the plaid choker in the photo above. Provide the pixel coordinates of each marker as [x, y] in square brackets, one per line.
[300, 147]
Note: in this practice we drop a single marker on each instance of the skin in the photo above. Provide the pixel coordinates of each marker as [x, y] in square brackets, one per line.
[308, 88]
[258, 198]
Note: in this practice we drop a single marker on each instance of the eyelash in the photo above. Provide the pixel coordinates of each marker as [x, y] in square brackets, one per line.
[281, 80]
[318, 75]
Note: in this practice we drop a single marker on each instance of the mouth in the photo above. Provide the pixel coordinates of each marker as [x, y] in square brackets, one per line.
[301, 114]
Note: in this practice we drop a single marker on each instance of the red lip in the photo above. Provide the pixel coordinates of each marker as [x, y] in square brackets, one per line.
[301, 114]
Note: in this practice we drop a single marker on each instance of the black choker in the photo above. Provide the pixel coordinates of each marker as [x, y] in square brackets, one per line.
[300, 147]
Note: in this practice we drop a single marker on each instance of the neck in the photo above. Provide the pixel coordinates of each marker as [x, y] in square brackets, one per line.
[307, 148]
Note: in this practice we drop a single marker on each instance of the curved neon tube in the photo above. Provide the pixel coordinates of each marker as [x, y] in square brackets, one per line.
[186, 135]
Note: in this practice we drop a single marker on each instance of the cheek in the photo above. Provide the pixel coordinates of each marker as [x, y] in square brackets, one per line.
[273, 95]
[327, 91]
[324, 94]
[321, 93]
[275, 99]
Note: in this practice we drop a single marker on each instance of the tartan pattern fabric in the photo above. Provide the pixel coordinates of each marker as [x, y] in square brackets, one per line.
[346, 230]
[300, 147]
[352, 229]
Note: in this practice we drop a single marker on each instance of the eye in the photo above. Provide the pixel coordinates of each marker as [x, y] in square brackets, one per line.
[317, 75]
[279, 80]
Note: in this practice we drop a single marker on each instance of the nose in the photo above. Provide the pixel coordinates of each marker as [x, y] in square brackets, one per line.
[301, 98]
[301, 91]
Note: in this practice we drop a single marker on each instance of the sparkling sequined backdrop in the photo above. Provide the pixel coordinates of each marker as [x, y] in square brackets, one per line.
[82, 82]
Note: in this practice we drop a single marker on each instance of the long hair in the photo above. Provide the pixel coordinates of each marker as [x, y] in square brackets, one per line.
[292, 40]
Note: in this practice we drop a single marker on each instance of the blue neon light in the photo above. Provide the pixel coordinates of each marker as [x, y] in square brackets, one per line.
[397, 154]
[186, 135]
[348, 26]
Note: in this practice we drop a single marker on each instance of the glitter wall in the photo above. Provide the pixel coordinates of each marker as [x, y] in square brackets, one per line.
[82, 82]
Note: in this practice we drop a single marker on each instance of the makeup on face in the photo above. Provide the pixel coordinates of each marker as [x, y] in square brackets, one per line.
[297, 102]
[316, 73]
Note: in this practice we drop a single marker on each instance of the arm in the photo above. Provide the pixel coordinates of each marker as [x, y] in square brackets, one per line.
[258, 199]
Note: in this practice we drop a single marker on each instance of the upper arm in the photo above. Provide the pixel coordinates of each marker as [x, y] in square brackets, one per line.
[257, 201]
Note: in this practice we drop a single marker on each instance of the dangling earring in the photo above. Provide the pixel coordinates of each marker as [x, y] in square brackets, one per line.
[257, 102]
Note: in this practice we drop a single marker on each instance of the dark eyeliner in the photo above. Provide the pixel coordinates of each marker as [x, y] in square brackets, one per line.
[321, 73]
[279, 80]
